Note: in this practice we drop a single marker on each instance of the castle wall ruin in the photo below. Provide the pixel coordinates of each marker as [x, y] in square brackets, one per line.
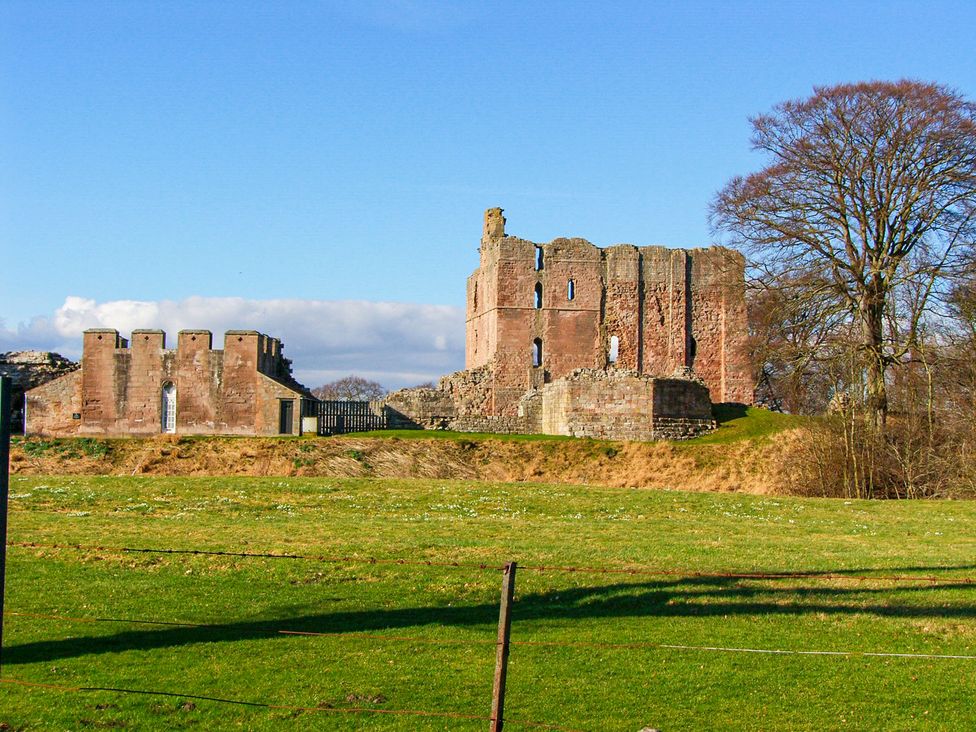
[26, 370]
[126, 389]
[536, 312]
[566, 338]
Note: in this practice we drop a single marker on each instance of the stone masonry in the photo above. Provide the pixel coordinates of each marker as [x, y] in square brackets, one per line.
[536, 312]
[121, 389]
[28, 369]
[563, 338]
[624, 405]
[567, 338]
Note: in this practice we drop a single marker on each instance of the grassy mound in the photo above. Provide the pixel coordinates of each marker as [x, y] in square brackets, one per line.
[737, 422]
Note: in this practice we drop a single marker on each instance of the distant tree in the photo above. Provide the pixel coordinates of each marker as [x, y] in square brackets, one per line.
[350, 389]
[873, 187]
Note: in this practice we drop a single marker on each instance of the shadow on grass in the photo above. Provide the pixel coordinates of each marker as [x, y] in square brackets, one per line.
[688, 597]
[727, 411]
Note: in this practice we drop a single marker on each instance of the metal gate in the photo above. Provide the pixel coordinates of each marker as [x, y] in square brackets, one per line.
[338, 418]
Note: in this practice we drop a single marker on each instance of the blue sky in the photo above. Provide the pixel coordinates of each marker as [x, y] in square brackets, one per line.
[280, 165]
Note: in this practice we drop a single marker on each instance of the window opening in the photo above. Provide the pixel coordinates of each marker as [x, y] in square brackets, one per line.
[570, 290]
[168, 416]
[537, 352]
[614, 349]
[538, 258]
[538, 295]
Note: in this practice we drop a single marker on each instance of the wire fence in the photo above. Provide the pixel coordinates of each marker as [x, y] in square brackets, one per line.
[495, 719]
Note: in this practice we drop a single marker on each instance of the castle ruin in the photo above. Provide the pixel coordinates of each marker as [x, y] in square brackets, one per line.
[565, 337]
[562, 338]
[536, 312]
[144, 388]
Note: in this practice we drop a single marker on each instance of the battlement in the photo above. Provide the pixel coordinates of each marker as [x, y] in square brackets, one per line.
[144, 388]
[262, 351]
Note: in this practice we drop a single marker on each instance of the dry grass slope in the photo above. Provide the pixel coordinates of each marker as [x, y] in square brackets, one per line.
[745, 455]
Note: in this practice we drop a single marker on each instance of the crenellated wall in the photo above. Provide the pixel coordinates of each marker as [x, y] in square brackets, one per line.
[119, 388]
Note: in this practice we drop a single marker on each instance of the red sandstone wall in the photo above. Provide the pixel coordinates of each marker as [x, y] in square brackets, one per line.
[664, 310]
[481, 332]
[737, 375]
[238, 393]
[249, 399]
[118, 390]
[623, 308]
[102, 391]
[503, 320]
[680, 398]
[197, 382]
[147, 371]
[719, 324]
[669, 308]
[267, 412]
[50, 407]
[570, 329]
[619, 408]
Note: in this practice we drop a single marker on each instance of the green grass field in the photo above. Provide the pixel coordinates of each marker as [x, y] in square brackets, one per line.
[422, 638]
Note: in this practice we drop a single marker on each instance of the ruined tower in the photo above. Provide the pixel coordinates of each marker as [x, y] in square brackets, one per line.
[537, 311]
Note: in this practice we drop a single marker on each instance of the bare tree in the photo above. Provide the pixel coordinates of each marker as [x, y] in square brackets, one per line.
[350, 389]
[874, 186]
[793, 337]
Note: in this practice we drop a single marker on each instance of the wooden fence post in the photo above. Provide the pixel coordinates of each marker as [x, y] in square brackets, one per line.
[6, 387]
[501, 656]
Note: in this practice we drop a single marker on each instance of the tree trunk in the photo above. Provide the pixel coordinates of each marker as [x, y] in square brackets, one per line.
[872, 324]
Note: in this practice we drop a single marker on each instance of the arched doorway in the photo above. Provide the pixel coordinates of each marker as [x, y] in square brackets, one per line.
[167, 417]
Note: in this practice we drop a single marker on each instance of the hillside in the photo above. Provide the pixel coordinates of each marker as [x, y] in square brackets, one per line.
[743, 455]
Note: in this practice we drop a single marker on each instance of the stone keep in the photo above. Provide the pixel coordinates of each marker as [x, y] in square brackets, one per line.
[568, 305]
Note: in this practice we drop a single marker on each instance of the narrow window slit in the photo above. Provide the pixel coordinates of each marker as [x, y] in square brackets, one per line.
[614, 349]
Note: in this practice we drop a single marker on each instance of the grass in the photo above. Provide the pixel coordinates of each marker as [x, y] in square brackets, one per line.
[232, 607]
[68, 447]
[737, 423]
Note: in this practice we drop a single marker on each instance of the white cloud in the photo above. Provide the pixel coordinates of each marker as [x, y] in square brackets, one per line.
[397, 344]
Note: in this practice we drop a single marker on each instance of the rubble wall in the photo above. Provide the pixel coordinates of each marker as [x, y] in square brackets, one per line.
[50, 408]
[29, 369]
